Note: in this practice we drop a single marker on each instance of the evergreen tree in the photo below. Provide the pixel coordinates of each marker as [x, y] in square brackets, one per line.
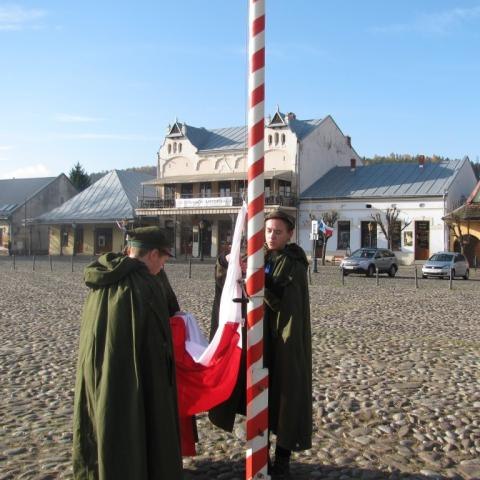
[79, 177]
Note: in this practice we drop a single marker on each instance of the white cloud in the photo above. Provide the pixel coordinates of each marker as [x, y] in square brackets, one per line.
[434, 23]
[15, 17]
[30, 171]
[69, 118]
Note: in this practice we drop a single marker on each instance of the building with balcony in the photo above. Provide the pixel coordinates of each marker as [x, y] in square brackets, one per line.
[202, 176]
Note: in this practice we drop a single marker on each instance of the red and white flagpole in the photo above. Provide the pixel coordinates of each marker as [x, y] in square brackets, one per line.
[257, 375]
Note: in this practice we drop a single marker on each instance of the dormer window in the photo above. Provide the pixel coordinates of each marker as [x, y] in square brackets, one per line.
[283, 139]
[169, 148]
[276, 138]
[179, 148]
[269, 140]
[174, 147]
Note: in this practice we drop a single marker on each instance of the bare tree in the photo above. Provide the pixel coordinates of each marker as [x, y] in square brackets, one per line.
[454, 223]
[388, 222]
[330, 218]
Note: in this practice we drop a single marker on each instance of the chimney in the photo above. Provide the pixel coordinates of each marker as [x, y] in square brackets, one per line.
[353, 164]
[348, 139]
[421, 161]
[291, 116]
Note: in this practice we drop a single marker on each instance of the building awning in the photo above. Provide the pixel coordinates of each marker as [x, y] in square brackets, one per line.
[219, 177]
[154, 212]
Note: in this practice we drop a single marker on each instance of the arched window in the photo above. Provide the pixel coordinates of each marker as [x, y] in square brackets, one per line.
[179, 148]
[276, 139]
[174, 147]
[269, 140]
[283, 139]
[169, 148]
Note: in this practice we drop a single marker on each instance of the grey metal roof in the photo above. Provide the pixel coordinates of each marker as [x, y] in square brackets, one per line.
[15, 191]
[385, 180]
[112, 197]
[235, 138]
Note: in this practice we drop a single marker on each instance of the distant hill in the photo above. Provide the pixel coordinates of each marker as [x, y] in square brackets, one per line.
[147, 169]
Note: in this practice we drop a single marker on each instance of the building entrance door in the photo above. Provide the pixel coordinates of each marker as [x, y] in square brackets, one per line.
[422, 240]
[103, 240]
[79, 240]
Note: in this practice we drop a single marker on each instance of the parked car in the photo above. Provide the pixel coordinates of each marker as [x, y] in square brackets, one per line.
[367, 260]
[440, 264]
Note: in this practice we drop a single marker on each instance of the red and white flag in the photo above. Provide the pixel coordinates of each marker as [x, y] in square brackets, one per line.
[207, 372]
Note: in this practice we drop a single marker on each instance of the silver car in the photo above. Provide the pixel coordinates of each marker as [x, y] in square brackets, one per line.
[440, 264]
[367, 260]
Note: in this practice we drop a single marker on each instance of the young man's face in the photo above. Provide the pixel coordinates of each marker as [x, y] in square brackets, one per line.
[277, 234]
[154, 260]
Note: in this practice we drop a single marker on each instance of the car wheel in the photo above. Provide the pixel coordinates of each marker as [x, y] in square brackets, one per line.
[424, 276]
[371, 271]
[392, 271]
[467, 274]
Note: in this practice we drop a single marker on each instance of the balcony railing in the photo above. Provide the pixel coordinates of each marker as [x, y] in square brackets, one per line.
[158, 203]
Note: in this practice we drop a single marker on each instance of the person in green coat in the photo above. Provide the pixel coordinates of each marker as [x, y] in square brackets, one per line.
[287, 345]
[125, 410]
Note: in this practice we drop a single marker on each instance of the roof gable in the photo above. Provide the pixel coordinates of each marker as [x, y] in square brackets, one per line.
[385, 180]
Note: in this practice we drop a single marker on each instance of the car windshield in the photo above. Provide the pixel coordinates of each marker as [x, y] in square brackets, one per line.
[441, 257]
[363, 254]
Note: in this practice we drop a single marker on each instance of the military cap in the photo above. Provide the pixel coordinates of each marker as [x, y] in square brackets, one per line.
[149, 238]
[282, 215]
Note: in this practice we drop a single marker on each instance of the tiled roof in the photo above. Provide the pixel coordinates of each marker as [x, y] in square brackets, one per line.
[385, 180]
[14, 192]
[112, 197]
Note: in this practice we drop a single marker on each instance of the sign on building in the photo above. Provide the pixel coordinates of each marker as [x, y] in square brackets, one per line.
[204, 202]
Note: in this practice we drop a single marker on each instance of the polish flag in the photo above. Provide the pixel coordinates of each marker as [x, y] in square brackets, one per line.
[206, 373]
[325, 229]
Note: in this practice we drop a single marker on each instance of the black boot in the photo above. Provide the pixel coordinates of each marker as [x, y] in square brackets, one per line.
[281, 465]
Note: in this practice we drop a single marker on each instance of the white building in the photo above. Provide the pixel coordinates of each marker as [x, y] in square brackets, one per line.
[201, 177]
[423, 192]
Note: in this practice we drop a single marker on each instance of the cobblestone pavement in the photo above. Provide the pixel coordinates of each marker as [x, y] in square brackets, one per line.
[396, 375]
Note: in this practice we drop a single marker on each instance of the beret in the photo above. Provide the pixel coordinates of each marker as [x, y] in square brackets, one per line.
[149, 238]
[282, 215]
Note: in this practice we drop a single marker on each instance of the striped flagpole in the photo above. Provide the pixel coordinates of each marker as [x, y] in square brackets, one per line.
[257, 376]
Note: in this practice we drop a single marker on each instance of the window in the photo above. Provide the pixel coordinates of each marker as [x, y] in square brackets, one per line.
[186, 190]
[269, 140]
[179, 148]
[64, 237]
[169, 191]
[268, 187]
[205, 189]
[174, 147]
[283, 139]
[395, 236]
[284, 188]
[343, 238]
[368, 234]
[224, 189]
[276, 139]
[169, 148]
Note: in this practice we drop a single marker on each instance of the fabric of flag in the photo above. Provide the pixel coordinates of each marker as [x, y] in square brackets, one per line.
[206, 373]
[325, 229]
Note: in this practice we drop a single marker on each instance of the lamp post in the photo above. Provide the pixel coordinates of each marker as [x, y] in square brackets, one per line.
[201, 226]
[74, 238]
[370, 228]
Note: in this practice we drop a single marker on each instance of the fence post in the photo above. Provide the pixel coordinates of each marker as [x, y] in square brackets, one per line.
[376, 274]
[13, 262]
[190, 268]
[50, 261]
[72, 262]
[342, 273]
[475, 262]
[310, 274]
[416, 277]
[33, 264]
[451, 279]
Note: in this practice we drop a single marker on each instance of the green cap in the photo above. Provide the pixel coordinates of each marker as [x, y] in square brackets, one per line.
[282, 215]
[149, 238]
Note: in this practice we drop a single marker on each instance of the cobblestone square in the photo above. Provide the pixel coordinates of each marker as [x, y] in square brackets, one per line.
[396, 375]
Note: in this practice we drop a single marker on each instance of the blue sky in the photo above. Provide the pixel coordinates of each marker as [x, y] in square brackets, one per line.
[98, 82]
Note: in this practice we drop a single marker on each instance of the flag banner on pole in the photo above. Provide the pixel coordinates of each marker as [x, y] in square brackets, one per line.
[206, 373]
[325, 229]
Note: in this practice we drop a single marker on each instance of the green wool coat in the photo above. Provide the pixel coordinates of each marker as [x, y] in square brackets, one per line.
[125, 411]
[287, 351]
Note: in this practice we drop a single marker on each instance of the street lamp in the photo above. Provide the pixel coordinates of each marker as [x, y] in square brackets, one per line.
[201, 226]
[370, 228]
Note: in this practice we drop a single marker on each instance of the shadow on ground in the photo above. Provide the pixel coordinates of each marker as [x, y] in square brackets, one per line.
[235, 470]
